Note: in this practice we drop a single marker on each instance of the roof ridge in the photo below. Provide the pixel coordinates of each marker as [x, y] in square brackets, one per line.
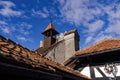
[99, 42]
[105, 44]
[50, 26]
[105, 39]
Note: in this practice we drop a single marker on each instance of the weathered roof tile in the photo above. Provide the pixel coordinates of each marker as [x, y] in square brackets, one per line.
[106, 44]
[21, 54]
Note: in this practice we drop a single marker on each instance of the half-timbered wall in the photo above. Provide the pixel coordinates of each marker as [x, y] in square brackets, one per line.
[97, 72]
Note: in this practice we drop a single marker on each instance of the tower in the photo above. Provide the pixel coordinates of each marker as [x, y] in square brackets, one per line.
[71, 39]
[49, 35]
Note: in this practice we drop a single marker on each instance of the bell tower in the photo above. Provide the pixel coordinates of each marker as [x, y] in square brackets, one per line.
[49, 35]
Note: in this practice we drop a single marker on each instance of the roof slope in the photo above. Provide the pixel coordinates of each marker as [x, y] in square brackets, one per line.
[106, 44]
[10, 49]
[43, 51]
[50, 27]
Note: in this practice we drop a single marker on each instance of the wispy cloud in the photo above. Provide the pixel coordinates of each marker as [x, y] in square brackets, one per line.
[7, 9]
[95, 16]
[2, 22]
[6, 30]
[88, 39]
[25, 25]
[102, 36]
[44, 13]
[21, 27]
[114, 27]
[94, 26]
[77, 11]
[20, 30]
[24, 28]
[23, 38]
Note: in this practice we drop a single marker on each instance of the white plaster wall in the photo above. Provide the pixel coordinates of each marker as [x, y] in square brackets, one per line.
[41, 43]
[86, 71]
[110, 75]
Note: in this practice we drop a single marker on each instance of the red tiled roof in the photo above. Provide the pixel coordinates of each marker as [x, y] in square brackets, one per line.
[106, 44]
[24, 55]
[50, 26]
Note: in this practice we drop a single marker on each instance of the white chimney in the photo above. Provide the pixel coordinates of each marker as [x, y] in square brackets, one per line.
[41, 43]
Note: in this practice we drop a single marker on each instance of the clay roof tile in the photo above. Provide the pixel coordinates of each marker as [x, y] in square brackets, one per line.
[106, 44]
[50, 26]
[28, 57]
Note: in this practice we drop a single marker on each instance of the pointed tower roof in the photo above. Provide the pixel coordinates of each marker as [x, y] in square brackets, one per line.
[50, 27]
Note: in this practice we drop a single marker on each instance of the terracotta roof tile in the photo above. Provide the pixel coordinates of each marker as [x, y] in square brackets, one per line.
[68, 61]
[50, 26]
[106, 44]
[24, 55]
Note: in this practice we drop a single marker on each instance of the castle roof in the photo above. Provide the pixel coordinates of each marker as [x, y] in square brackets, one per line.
[102, 46]
[13, 51]
[50, 27]
[106, 44]
[43, 51]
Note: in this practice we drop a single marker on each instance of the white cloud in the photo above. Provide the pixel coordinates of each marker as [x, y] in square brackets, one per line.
[98, 37]
[21, 38]
[62, 1]
[7, 9]
[2, 22]
[24, 28]
[25, 25]
[44, 13]
[98, 20]
[20, 30]
[95, 26]
[101, 37]
[5, 30]
[88, 39]
[7, 4]
[114, 27]
[79, 11]
[113, 12]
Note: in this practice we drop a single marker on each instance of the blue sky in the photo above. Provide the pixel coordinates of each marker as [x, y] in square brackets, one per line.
[24, 20]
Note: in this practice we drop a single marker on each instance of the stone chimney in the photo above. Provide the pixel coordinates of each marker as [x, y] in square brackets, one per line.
[71, 43]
